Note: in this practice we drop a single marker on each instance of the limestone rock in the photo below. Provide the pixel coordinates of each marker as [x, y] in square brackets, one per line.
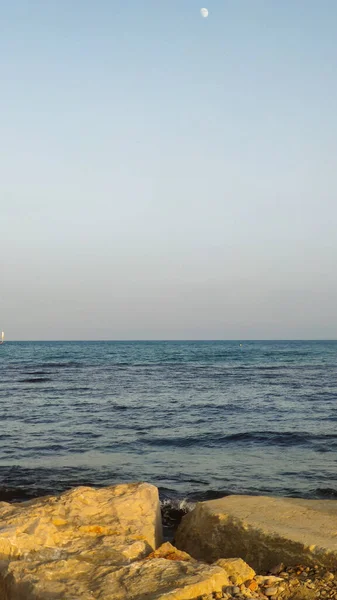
[236, 569]
[122, 520]
[80, 529]
[263, 531]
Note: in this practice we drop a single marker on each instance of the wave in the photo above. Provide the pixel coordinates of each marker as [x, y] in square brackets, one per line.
[42, 366]
[36, 379]
[35, 373]
[172, 511]
[268, 438]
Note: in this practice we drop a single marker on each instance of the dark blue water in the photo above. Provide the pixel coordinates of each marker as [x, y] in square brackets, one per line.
[197, 419]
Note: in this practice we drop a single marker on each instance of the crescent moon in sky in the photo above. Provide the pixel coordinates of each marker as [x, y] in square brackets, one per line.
[204, 12]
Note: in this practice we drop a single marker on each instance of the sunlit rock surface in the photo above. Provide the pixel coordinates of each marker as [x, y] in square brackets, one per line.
[237, 569]
[66, 535]
[263, 531]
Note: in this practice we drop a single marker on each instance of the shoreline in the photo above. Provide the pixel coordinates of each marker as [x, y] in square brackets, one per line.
[173, 503]
[241, 547]
[173, 507]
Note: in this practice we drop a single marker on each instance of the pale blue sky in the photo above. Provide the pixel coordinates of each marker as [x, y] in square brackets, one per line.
[168, 176]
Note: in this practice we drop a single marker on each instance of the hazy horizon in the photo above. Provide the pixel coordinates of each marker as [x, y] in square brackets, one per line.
[164, 176]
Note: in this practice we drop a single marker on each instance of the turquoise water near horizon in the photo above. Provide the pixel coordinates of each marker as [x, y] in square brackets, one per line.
[197, 419]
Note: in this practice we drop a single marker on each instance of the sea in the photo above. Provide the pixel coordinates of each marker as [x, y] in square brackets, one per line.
[199, 420]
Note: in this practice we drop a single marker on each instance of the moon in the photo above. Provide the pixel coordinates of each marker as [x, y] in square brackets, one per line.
[204, 13]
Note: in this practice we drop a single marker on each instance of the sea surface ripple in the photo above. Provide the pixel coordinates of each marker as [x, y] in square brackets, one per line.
[197, 419]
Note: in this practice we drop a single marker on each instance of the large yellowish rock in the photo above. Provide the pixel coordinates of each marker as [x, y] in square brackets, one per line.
[109, 526]
[92, 544]
[126, 516]
[262, 531]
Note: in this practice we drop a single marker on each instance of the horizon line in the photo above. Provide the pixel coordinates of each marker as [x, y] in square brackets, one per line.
[180, 340]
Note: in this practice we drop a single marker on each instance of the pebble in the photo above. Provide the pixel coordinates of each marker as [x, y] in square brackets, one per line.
[309, 583]
[271, 591]
[277, 570]
[252, 585]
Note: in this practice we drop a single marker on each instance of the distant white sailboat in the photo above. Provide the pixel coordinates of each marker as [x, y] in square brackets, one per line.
[2, 337]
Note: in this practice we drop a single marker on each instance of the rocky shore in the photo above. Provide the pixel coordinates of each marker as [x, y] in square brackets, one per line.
[297, 583]
[106, 544]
